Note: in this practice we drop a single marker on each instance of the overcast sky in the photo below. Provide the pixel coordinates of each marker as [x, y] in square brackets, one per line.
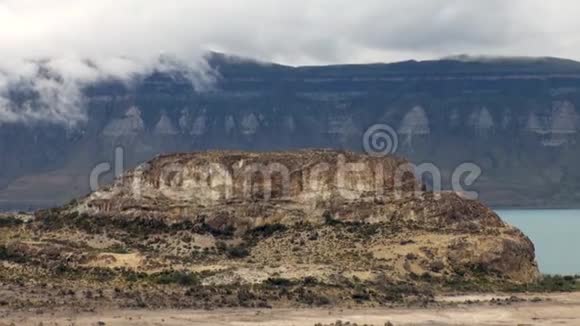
[124, 38]
[294, 32]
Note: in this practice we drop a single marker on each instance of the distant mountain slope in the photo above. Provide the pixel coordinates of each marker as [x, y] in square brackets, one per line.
[517, 118]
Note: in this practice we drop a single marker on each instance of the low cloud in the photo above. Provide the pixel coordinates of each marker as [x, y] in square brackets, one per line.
[51, 90]
[54, 48]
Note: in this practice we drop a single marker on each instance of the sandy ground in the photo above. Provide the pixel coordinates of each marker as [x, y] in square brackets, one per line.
[555, 309]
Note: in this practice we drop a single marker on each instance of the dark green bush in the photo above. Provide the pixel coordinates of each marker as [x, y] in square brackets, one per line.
[8, 221]
[278, 281]
[10, 255]
[238, 252]
[330, 220]
[268, 230]
[183, 278]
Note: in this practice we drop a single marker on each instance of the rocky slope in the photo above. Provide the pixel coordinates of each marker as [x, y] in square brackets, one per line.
[217, 229]
[516, 118]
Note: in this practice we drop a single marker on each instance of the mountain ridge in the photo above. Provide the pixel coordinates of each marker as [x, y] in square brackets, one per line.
[512, 121]
[215, 58]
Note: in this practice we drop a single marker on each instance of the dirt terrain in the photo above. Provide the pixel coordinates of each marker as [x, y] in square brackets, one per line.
[547, 309]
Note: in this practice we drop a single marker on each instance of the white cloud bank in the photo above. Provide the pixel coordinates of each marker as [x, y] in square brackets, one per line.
[124, 38]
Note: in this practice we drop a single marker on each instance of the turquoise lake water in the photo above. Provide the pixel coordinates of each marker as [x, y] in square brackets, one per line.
[555, 234]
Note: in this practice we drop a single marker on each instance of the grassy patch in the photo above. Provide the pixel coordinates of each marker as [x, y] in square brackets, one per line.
[552, 283]
[548, 283]
[117, 248]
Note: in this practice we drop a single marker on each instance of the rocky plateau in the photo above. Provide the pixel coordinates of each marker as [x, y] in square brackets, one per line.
[260, 229]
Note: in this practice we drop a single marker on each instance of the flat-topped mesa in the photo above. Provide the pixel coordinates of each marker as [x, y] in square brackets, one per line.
[252, 189]
[307, 178]
[236, 192]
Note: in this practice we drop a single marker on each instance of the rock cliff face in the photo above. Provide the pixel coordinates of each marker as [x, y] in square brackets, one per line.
[243, 191]
[180, 185]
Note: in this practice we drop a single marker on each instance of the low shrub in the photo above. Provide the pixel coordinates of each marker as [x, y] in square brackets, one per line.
[9, 221]
[268, 230]
[183, 278]
[278, 281]
[11, 255]
[238, 252]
